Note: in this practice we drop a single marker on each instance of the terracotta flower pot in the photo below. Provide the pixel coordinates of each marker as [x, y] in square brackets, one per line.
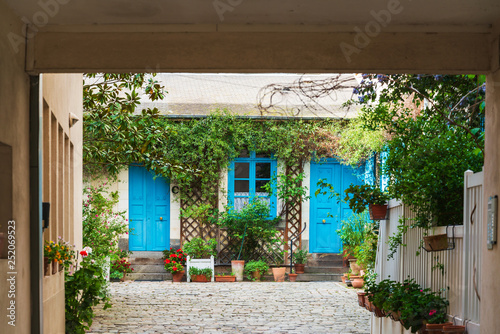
[46, 266]
[435, 328]
[453, 329]
[123, 278]
[343, 278]
[237, 267]
[177, 277]
[293, 277]
[361, 298]
[299, 268]
[358, 283]
[225, 278]
[347, 254]
[54, 267]
[377, 212]
[279, 274]
[256, 275]
[378, 312]
[355, 268]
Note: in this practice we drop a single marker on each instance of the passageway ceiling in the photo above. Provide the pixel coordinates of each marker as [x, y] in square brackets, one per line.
[448, 36]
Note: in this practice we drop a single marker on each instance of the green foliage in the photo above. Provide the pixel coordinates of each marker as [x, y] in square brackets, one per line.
[122, 266]
[354, 230]
[396, 239]
[366, 252]
[197, 248]
[207, 272]
[251, 227]
[84, 289]
[253, 266]
[360, 196]
[102, 225]
[300, 256]
[288, 188]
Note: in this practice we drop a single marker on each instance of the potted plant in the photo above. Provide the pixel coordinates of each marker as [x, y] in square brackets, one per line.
[51, 255]
[359, 196]
[353, 233]
[67, 254]
[120, 268]
[255, 269]
[300, 257]
[227, 277]
[174, 262]
[200, 275]
[292, 276]
[200, 255]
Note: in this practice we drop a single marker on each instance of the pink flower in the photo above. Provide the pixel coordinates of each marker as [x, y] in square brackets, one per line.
[432, 312]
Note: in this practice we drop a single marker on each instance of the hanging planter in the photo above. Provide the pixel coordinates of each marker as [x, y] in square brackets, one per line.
[434, 243]
[46, 266]
[453, 329]
[377, 211]
[436, 328]
[361, 298]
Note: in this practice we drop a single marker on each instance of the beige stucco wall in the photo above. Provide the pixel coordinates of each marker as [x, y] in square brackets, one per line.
[14, 131]
[62, 95]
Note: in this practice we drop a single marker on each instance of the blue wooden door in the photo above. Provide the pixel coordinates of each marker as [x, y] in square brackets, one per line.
[326, 214]
[149, 211]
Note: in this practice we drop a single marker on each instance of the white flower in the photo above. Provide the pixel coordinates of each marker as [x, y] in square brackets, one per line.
[88, 249]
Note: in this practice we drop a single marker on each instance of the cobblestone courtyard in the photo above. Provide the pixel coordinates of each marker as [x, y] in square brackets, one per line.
[266, 307]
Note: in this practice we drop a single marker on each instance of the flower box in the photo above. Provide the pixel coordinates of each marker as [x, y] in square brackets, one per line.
[225, 278]
[200, 279]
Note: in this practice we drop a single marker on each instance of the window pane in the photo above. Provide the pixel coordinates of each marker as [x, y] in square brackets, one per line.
[259, 186]
[241, 186]
[263, 170]
[263, 155]
[241, 170]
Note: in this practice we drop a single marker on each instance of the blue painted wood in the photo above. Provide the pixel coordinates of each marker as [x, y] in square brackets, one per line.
[326, 214]
[149, 211]
[252, 160]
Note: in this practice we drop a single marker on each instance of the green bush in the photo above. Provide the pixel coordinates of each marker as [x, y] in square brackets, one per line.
[252, 228]
[198, 248]
[84, 289]
[207, 272]
[253, 266]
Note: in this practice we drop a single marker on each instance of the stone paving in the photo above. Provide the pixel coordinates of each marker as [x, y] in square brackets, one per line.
[244, 307]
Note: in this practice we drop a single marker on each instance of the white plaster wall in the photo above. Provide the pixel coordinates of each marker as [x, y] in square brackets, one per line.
[122, 187]
[175, 215]
[306, 204]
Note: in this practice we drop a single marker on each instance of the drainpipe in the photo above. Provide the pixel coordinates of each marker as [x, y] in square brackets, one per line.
[35, 173]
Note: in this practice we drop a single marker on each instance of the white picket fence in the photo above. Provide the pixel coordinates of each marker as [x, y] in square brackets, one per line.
[461, 278]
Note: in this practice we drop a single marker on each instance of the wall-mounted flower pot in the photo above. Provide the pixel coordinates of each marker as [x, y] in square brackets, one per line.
[435, 328]
[377, 211]
[299, 268]
[453, 329]
[292, 277]
[279, 274]
[436, 242]
[46, 266]
[225, 278]
[361, 298]
[237, 267]
[54, 267]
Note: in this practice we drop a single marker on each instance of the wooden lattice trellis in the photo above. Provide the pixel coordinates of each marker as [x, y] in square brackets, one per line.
[293, 216]
[191, 227]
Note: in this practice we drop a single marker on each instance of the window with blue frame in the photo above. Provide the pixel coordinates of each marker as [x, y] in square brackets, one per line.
[248, 175]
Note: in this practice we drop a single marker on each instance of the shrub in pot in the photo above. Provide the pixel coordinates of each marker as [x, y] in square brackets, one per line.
[300, 259]
[255, 269]
[360, 196]
[198, 248]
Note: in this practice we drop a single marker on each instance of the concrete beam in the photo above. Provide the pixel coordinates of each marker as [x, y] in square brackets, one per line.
[254, 50]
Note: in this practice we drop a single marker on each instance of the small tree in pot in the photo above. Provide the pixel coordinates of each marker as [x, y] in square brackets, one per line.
[300, 257]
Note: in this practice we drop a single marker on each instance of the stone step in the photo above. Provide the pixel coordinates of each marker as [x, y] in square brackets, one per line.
[149, 276]
[325, 260]
[146, 261]
[149, 268]
[319, 277]
[325, 270]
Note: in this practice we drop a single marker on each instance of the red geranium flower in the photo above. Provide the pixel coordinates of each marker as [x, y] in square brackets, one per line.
[83, 253]
[167, 261]
[175, 268]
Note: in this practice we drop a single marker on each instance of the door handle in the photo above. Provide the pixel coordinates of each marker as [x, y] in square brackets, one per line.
[324, 221]
[161, 218]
